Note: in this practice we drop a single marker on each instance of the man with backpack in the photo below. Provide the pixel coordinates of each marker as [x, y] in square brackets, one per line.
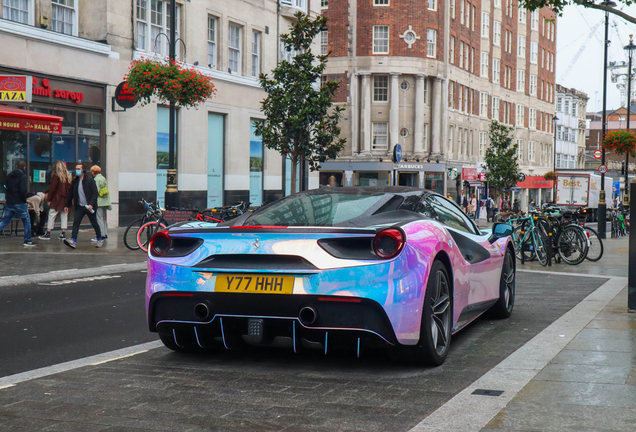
[490, 204]
[16, 204]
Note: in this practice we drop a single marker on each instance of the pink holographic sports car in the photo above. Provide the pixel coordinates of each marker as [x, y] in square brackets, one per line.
[332, 268]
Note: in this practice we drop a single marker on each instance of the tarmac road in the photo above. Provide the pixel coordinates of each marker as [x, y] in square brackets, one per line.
[53, 322]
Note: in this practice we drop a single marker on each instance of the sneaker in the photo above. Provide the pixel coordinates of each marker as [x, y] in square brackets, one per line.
[62, 237]
[94, 240]
[70, 243]
[28, 244]
[99, 243]
[46, 236]
[104, 237]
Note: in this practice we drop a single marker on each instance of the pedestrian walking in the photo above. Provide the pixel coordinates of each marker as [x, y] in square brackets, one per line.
[516, 207]
[83, 194]
[472, 207]
[16, 204]
[463, 202]
[103, 201]
[56, 198]
[490, 204]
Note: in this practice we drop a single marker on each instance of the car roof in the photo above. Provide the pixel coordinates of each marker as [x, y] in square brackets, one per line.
[370, 190]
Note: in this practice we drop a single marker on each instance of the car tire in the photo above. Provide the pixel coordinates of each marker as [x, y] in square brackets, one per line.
[437, 321]
[507, 289]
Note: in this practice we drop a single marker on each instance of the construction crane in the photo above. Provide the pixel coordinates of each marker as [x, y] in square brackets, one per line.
[580, 51]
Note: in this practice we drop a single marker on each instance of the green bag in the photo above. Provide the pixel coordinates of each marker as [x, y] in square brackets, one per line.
[103, 192]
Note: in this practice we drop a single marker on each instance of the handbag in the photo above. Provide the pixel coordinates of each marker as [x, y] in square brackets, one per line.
[103, 192]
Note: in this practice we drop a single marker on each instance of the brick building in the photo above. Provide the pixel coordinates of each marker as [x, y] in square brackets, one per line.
[430, 76]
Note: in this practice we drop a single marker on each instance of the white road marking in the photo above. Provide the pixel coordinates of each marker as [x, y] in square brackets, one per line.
[470, 413]
[564, 273]
[12, 380]
[86, 279]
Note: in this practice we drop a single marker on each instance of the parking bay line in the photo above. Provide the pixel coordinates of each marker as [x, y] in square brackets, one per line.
[12, 380]
[467, 412]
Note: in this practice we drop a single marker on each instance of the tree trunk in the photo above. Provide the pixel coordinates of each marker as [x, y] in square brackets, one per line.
[294, 163]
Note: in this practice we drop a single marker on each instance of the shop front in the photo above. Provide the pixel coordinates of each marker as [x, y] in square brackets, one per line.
[534, 187]
[81, 106]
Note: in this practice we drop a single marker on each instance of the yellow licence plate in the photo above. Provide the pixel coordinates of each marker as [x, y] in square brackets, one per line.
[254, 284]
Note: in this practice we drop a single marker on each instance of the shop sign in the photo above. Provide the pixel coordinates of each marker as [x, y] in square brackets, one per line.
[452, 173]
[124, 97]
[482, 176]
[535, 182]
[39, 176]
[28, 125]
[405, 166]
[45, 90]
[469, 173]
[15, 88]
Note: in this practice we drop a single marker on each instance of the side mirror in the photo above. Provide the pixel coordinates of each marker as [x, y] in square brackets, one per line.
[500, 230]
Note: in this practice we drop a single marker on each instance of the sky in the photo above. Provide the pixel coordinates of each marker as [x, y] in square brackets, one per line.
[574, 29]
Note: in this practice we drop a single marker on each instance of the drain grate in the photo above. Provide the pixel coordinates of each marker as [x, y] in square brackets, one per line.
[484, 392]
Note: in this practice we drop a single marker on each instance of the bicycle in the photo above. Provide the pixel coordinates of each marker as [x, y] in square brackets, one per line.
[529, 240]
[228, 212]
[570, 240]
[139, 232]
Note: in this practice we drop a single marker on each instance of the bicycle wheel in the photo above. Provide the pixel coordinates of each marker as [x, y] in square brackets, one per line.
[145, 233]
[572, 244]
[540, 241]
[130, 235]
[595, 251]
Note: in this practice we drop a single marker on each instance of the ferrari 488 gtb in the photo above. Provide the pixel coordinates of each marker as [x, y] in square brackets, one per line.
[332, 268]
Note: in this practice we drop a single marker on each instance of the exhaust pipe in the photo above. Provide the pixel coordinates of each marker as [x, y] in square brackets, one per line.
[308, 315]
[201, 311]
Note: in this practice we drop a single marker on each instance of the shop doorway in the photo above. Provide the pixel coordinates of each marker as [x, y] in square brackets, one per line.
[408, 179]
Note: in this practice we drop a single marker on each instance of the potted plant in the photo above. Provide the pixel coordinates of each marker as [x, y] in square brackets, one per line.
[170, 81]
[550, 175]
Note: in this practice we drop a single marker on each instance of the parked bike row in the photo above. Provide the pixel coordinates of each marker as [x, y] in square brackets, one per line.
[138, 234]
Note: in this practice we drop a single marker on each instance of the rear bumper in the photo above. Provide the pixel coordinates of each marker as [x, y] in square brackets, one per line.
[230, 313]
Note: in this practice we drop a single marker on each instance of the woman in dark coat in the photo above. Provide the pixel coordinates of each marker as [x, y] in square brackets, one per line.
[56, 198]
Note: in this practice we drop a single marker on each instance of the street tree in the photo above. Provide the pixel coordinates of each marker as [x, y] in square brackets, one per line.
[500, 160]
[301, 120]
[558, 5]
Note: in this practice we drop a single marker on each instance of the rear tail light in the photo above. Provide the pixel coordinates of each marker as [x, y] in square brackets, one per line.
[160, 243]
[389, 243]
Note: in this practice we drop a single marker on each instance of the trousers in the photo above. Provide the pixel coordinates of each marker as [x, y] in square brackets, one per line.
[21, 211]
[101, 220]
[63, 218]
[80, 212]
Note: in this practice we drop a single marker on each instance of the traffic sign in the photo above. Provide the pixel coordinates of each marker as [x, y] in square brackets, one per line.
[597, 154]
[602, 169]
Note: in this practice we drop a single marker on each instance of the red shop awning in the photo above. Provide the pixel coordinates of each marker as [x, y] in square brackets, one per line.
[28, 121]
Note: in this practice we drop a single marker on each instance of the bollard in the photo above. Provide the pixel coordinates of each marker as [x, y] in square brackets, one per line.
[631, 286]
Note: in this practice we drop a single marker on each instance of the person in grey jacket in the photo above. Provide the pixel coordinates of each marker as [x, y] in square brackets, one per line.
[83, 193]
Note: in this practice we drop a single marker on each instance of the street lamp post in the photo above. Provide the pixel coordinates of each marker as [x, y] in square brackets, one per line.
[630, 51]
[171, 195]
[602, 205]
[554, 128]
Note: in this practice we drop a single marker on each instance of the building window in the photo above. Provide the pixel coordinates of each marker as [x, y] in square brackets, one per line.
[558, 104]
[497, 4]
[574, 108]
[462, 7]
[520, 150]
[522, 15]
[451, 94]
[521, 48]
[466, 56]
[496, 33]
[17, 10]
[531, 151]
[380, 39]
[147, 36]
[566, 134]
[461, 55]
[380, 2]
[380, 88]
[324, 4]
[521, 110]
[234, 48]
[534, 20]
[521, 80]
[298, 4]
[431, 48]
[467, 13]
[483, 104]
[534, 52]
[380, 136]
[484, 64]
[508, 41]
[256, 53]
[324, 42]
[432, 5]
[63, 16]
[483, 140]
[451, 52]
[532, 118]
[495, 109]
[425, 91]
[496, 71]
[452, 9]
[142, 24]
[212, 37]
[566, 106]
[451, 137]
[485, 25]
[533, 85]
[472, 18]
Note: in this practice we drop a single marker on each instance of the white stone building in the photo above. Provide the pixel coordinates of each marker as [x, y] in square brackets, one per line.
[571, 107]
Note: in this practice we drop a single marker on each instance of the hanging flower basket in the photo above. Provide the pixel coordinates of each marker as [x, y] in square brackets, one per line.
[169, 81]
[620, 142]
[550, 175]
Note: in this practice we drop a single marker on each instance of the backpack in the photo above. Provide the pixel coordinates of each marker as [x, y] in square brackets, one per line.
[489, 203]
